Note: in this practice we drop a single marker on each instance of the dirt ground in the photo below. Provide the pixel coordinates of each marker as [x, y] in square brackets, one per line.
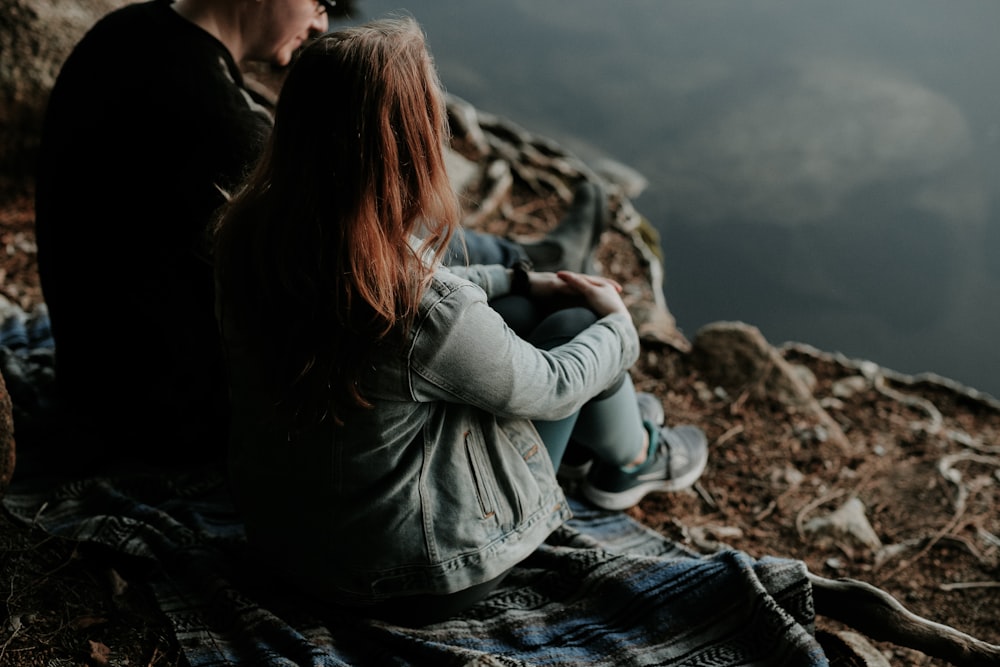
[923, 457]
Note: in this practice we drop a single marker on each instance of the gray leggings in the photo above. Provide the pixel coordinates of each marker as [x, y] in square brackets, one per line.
[609, 424]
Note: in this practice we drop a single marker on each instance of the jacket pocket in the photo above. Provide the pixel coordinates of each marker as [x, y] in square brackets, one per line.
[482, 474]
[527, 471]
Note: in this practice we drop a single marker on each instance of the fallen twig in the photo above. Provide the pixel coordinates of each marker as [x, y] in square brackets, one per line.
[706, 495]
[934, 415]
[729, 435]
[963, 585]
[937, 537]
[946, 466]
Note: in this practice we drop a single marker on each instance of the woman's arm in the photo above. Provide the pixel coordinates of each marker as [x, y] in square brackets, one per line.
[493, 279]
[464, 352]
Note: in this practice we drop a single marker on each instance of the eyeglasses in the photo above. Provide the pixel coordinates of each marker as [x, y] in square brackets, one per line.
[326, 6]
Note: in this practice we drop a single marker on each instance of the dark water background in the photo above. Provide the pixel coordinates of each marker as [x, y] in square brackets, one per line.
[825, 171]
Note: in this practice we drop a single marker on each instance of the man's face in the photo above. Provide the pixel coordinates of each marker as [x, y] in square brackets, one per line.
[282, 27]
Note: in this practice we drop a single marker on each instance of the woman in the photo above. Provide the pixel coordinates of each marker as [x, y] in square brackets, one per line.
[393, 440]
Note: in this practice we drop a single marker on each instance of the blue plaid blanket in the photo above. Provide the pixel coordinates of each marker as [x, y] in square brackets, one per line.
[603, 590]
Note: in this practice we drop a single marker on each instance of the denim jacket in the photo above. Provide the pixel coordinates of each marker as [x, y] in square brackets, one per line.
[445, 482]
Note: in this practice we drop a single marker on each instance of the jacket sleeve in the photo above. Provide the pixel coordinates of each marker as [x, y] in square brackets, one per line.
[464, 352]
[491, 278]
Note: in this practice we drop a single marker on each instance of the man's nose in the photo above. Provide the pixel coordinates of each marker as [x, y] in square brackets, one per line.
[320, 24]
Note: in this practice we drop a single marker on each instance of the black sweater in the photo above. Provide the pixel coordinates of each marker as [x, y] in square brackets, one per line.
[147, 120]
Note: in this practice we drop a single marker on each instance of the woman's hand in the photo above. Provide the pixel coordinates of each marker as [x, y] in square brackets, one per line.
[544, 285]
[603, 295]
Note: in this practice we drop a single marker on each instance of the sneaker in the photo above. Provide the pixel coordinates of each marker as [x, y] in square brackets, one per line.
[650, 408]
[577, 460]
[680, 458]
[571, 244]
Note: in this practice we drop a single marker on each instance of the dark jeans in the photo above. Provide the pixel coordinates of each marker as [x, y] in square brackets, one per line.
[472, 247]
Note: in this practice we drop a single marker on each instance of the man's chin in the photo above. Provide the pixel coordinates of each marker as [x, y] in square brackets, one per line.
[282, 60]
[287, 56]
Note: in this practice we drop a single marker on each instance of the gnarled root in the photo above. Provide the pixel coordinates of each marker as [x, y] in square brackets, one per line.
[880, 616]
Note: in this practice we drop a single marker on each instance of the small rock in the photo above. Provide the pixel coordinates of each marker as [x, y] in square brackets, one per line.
[863, 649]
[807, 377]
[831, 403]
[849, 522]
[848, 387]
[789, 475]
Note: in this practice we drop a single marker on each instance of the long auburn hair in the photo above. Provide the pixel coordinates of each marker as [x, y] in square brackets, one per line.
[313, 254]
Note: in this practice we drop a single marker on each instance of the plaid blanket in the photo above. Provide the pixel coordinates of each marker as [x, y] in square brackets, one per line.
[603, 590]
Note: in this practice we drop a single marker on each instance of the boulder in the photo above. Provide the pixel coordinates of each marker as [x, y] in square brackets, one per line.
[736, 357]
[36, 36]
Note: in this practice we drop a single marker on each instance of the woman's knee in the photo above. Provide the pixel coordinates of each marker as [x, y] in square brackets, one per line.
[561, 326]
[519, 312]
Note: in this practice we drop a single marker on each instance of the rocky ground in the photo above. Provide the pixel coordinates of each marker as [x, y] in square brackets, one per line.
[867, 474]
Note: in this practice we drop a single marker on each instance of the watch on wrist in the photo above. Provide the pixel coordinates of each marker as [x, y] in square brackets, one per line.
[520, 284]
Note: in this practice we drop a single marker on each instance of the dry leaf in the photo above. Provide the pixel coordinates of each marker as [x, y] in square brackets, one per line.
[99, 653]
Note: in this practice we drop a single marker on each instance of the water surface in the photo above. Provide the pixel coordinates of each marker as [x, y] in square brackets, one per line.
[824, 171]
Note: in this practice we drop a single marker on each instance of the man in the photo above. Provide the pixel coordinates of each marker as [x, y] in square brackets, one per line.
[149, 124]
